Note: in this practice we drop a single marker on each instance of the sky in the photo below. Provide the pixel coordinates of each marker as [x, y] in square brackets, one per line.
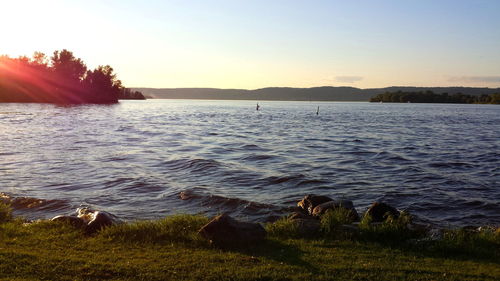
[267, 43]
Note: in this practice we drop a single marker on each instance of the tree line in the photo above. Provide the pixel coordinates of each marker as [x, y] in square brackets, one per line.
[431, 97]
[61, 78]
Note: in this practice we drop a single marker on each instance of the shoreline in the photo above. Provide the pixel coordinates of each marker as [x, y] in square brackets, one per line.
[169, 249]
[27, 206]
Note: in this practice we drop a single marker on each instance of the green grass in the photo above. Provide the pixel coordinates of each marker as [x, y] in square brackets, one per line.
[392, 230]
[174, 229]
[284, 228]
[333, 218]
[5, 212]
[170, 249]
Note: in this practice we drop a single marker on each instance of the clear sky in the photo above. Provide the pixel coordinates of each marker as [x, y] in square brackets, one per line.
[259, 43]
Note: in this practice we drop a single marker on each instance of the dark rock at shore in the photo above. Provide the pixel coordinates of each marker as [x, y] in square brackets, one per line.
[297, 209]
[95, 220]
[307, 225]
[300, 215]
[100, 221]
[225, 232]
[379, 212]
[72, 220]
[89, 220]
[346, 204]
[309, 202]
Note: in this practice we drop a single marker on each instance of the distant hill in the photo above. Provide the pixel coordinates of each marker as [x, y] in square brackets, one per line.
[299, 94]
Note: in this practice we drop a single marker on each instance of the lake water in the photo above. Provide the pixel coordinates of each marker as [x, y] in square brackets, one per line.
[148, 159]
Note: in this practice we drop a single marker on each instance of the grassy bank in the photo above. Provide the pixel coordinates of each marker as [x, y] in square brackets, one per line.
[170, 249]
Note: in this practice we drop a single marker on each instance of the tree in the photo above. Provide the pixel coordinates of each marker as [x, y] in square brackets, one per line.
[66, 66]
[40, 59]
[102, 85]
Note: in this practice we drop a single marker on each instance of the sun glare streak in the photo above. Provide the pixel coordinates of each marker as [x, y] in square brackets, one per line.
[30, 82]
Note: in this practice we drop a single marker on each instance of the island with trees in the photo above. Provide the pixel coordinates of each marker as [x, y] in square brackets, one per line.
[60, 79]
[129, 94]
[431, 97]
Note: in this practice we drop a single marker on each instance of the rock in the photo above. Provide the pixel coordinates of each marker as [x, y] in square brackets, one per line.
[297, 209]
[224, 231]
[307, 227]
[100, 221]
[346, 204]
[379, 212]
[74, 221]
[309, 202]
[300, 215]
[307, 224]
[95, 220]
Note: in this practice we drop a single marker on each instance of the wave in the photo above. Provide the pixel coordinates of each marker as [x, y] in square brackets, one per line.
[22, 203]
[192, 165]
[255, 211]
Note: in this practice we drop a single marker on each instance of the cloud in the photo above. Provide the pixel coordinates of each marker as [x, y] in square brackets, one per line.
[475, 79]
[348, 79]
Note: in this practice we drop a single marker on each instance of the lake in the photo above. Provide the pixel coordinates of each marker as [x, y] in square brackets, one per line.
[148, 159]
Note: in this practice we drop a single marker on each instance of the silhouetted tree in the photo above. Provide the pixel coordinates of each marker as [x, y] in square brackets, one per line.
[61, 79]
[128, 94]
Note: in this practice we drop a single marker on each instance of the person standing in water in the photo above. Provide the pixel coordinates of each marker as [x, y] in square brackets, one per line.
[317, 111]
[258, 106]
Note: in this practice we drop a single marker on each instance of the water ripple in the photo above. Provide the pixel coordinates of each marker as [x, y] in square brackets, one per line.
[440, 162]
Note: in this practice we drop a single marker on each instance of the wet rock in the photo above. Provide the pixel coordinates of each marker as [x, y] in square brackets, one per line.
[72, 220]
[100, 221]
[346, 204]
[300, 215]
[379, 212]
[89, 220]
[309, 202]
[225, 232]
[488, 228]
[297, 209]
[95, 220]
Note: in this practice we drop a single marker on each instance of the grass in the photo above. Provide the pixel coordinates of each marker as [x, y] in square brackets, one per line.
[5, 212]
[174, 229]
[334, 218]
[392, 230]
[284, 228]
[170, 249]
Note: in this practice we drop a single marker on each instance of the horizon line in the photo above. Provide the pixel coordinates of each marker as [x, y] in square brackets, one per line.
[325, 86]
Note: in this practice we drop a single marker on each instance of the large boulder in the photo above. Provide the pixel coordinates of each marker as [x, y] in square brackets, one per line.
[89, 220]
[309, 202]
[225, 232]
[346, 204]
[379, 212]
